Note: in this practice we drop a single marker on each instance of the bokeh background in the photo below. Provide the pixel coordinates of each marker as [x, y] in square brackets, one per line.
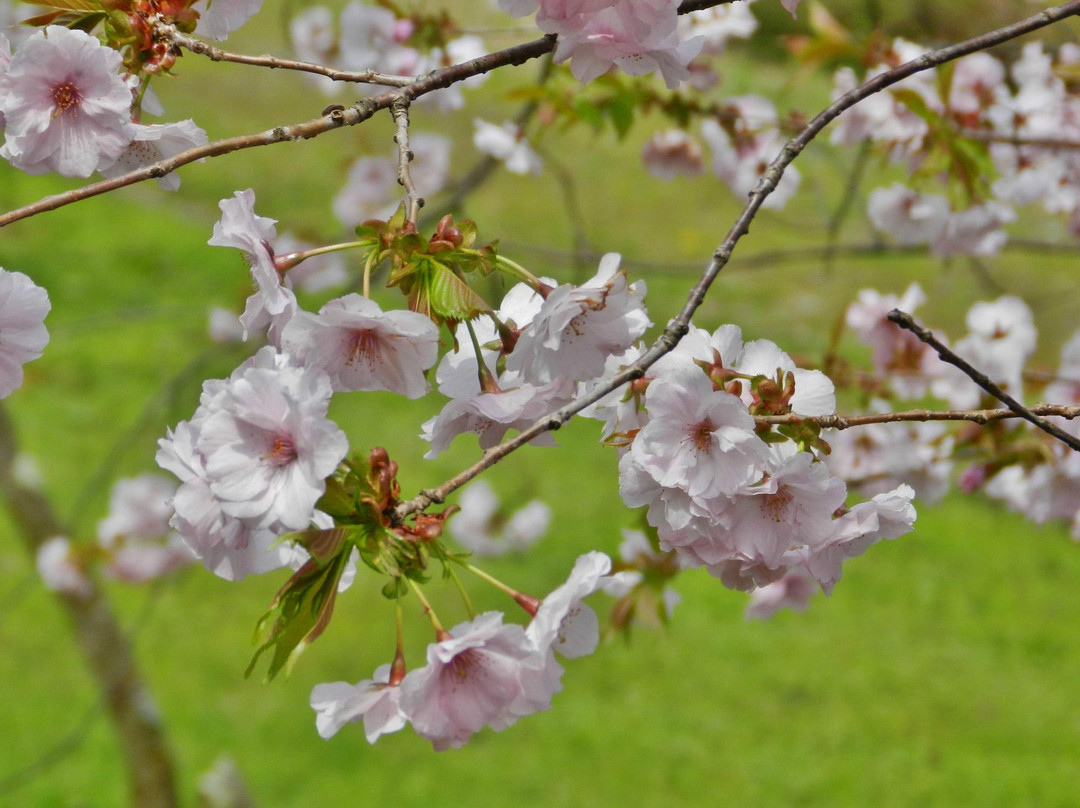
[942, 672]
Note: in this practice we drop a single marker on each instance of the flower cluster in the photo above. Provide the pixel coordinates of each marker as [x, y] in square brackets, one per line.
[65, 107]
[722, 497]
[637, 36]
[481, 673]
[559, 339]
[1005, 112]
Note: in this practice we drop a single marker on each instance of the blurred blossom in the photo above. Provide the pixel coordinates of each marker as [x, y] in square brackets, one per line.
[60, 570]
[507, 144]
[482, 528]
[673, 153]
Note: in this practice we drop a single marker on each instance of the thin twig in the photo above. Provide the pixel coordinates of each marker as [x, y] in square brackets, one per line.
[906, 321]
[168, 32]
[767, 184]
[1059, 144]
[976, 416]
[413, 201]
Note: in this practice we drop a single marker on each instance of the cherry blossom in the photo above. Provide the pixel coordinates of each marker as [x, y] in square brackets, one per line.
[273, 303]
[793, 591]
[907, 362]
[742, 153]
[908, 216]
[491, 415]
[887, 516]
[227, 546]
[672, 153]
[23, 336]
[268, 445]
[66, 109]
[484, 530]
[153, 143]
[697, 438]
[361, 347]
[60, 570]
[506, 143]
[480, 673]
[565, 624]
[136, 535]
[219, 18]
[373, 700]
[577, 328]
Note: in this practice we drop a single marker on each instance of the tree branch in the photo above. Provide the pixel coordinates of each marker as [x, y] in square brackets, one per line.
[976, 416]
[906, 321]
[168, 32]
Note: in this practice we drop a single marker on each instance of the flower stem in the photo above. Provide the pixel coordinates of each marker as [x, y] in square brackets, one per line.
[427, 607]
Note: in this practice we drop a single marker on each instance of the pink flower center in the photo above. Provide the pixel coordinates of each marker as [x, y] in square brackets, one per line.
[463, 663]
[282, 451]
[774, 506]
[67, 99]
[363, 345]
[701, 435]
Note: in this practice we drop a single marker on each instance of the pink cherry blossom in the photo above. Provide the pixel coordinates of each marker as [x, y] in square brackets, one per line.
[697, 439]
[563, 623]
[791, 5]
[793, 591]
[507, 144]
[60, 569]
[219, 18]
[743, 153]
[672, 153]
[638, 36]
[481, 673]
[227, 546]
[483, 529]
[792, 506]
[65, 106]
[491, 415]
[577, 328]
[136, 536]
[908, 216]
[268, 445]
[887, 516]
[360, 347]
[151, 144]
[23, 336]
[374, 700]
[273, 303]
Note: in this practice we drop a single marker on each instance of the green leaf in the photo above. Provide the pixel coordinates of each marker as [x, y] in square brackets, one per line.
[450, 298]
[300, 613]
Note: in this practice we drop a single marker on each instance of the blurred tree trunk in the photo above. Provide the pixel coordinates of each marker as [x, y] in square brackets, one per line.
[103, 643]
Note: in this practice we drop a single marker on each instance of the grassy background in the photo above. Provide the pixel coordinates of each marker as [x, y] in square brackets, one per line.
[941, 673]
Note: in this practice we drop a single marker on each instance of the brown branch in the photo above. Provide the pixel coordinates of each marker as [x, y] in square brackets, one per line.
[169, 32]
[767, 184]
[413, 201]
[104, 645]
[906, 321]
[976, 416]
[351, 116]
[1060, 144]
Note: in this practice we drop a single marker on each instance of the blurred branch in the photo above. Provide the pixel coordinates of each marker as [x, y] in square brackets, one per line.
[975, 416]
[104, 646]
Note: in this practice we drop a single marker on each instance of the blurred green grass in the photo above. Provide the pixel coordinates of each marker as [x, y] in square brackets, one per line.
[941, 673]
